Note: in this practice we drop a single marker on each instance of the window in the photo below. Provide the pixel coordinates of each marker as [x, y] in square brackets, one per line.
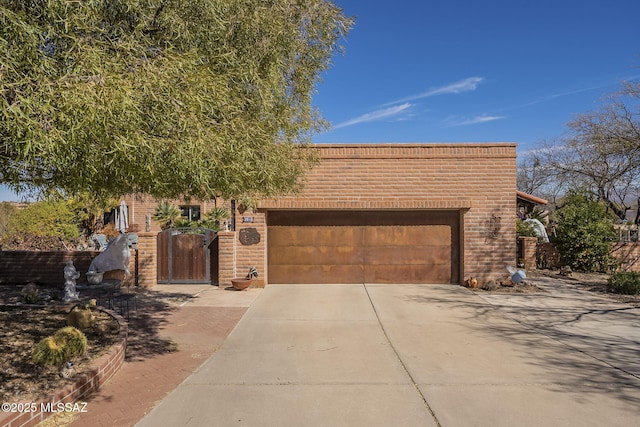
[190, 213]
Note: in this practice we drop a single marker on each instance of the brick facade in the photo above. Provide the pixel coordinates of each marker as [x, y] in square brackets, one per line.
[141, 207]
[476, 180]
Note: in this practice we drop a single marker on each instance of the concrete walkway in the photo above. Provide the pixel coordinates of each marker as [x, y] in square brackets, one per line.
[417, 355]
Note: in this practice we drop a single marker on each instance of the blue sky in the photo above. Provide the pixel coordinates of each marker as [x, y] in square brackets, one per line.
[476, 71]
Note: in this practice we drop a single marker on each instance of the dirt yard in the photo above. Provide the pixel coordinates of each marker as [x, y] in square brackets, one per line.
[592, 282]
[22, 327]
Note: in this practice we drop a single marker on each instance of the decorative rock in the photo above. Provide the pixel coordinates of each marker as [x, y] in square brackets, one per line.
[566, 271]
[471, 282]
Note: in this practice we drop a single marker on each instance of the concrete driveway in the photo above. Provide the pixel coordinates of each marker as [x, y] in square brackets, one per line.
[418, 355]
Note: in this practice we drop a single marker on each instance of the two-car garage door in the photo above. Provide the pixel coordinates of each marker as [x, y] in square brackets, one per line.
[363, 246]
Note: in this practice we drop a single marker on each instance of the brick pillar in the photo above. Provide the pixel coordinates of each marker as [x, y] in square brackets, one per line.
[147, 260]
[529, 245]
[226, 257]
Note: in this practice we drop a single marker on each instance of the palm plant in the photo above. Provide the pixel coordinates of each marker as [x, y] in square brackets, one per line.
[166, 214]
[214, 217]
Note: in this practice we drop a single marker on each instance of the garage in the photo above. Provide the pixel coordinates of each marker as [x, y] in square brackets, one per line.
[342, 246]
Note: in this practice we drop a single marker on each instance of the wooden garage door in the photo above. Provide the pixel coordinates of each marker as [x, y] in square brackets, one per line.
[363, 247]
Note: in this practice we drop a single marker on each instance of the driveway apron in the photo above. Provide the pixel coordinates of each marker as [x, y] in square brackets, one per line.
[397, 355]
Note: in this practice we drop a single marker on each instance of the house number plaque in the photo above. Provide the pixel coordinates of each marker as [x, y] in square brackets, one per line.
[249, 236]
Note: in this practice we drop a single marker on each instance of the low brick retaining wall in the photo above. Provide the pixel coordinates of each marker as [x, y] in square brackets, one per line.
[47, 267]
[84, 385]
[627, 253]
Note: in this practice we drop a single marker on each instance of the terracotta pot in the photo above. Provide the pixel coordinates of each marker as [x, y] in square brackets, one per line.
[241, 283]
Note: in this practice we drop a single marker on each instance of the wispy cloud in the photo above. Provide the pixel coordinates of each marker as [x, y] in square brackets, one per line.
[382, 113]
[466, 85]
[483, 118]
[540, 100]
[391, 109]
[551, 97]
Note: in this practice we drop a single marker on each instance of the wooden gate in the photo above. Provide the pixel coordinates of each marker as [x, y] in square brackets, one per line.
[187, 255]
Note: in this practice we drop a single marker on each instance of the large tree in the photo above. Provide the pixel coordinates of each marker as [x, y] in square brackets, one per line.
[168, 97]
[601, 152]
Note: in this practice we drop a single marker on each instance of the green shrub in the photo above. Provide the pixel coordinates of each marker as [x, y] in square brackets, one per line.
[31, 298]
[7, 210]
[626, 282]
[60, 347]
[525, 229]
[584, 234]
[44, 219]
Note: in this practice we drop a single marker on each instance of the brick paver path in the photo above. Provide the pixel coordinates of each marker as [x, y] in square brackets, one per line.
[167, 342]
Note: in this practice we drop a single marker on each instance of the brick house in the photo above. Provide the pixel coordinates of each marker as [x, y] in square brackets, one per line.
[373, 213]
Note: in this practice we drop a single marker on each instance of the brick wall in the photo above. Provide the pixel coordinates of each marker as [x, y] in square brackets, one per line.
[254, 254]
[147, 260]
[139, 206]
[47, 267]
[528, 252]
[476, 180]
[629, 255]
[479, 180]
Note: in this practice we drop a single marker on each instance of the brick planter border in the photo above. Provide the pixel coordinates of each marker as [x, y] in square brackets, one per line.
[85, 384]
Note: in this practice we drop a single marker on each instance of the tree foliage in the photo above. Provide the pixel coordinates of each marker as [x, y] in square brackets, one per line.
[167, 97]
[584, 233]
[600, 153]
[44, 219]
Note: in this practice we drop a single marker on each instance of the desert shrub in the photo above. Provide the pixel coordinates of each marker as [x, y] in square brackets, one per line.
[60, 347]
[31, 297]
[584, 234]
[44, 219]
[626, 282]
[7, 210]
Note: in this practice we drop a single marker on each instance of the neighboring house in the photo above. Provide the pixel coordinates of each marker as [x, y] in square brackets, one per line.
[377, 213]
[526, 203]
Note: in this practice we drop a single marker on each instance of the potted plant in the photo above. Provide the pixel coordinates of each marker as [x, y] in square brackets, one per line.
[241, 283]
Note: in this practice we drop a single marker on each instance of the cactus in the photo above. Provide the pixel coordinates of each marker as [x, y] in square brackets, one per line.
[49, 352]
[74, 340]
[31, 298]
[60, 347]
[81, 317]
